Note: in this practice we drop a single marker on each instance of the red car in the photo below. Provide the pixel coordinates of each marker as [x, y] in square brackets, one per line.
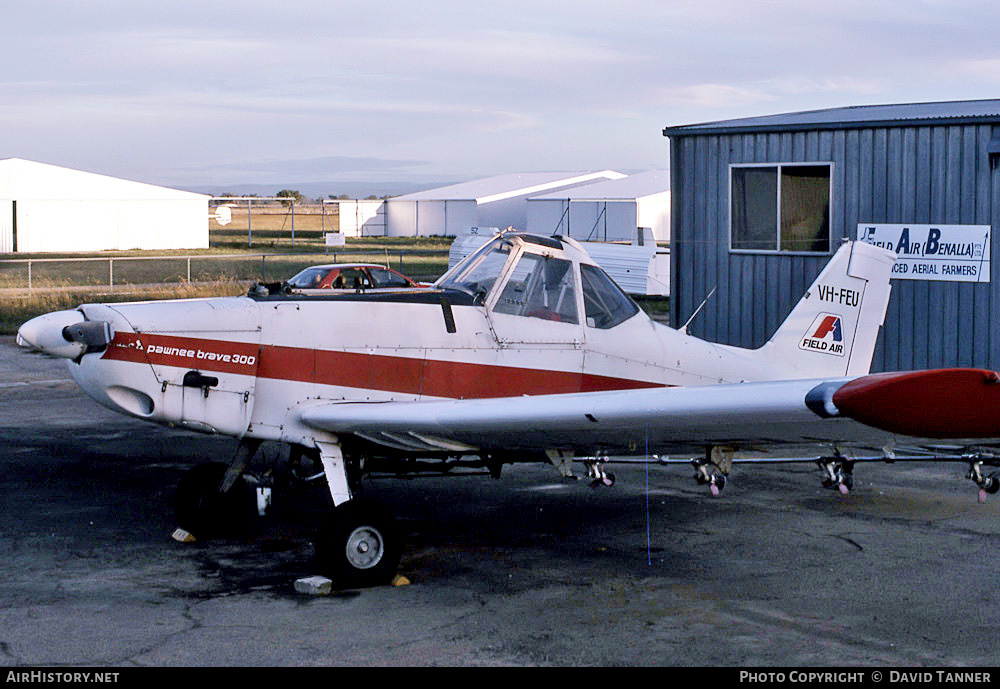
[351, 276]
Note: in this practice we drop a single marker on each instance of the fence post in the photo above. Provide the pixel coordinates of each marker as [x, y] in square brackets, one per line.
[189, 270]
[111, 274]
[29, 274]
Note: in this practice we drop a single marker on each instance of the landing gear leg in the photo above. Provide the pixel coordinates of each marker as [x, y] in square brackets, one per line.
[361, 545]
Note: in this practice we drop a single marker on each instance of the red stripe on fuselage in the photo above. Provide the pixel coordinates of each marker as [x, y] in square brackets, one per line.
[388, 373]
[221, 356]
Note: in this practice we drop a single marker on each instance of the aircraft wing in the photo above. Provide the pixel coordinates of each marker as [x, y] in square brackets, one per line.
[874, 411]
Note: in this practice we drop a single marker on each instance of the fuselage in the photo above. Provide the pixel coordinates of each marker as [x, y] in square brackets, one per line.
[522, 316]
[261, 358]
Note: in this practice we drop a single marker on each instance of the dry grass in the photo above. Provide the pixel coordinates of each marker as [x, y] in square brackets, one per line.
[18, 308]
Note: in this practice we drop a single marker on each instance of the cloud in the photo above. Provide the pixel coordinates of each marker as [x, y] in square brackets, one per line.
[449, 88]
[716, 96]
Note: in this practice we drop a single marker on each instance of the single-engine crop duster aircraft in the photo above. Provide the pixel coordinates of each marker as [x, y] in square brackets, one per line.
[525, 351]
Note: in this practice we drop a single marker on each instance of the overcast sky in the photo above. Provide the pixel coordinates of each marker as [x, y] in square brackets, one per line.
[214, 93]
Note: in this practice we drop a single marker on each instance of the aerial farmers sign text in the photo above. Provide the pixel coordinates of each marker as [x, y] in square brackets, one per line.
[934, 252]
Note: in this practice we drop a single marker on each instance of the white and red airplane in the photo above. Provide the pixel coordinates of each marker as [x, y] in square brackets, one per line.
[525, 351]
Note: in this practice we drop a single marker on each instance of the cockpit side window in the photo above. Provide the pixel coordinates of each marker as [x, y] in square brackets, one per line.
[605, 303]
[540, 287]
[477, 273]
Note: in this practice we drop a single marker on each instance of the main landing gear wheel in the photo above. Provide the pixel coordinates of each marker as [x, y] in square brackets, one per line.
[204, 512]
[361, 546]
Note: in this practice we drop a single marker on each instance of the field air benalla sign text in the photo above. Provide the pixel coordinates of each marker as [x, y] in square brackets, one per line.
[960, 253]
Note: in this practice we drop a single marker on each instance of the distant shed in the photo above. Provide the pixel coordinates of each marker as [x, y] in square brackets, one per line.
[452, 210]
[607, 210]
[759, 204]
[47, 208]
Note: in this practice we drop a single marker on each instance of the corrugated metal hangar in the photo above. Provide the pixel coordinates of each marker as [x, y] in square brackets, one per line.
[759, 204]
[608, 211]
[49, 208]
[498, 201]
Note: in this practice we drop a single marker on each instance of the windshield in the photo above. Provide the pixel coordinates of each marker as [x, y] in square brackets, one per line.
[476, 274]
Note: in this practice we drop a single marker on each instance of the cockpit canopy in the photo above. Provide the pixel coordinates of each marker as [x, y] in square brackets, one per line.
[550, 278]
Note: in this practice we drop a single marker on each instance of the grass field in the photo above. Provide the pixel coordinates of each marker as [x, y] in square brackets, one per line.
[262, 248]
[16, 309]
[224, 269]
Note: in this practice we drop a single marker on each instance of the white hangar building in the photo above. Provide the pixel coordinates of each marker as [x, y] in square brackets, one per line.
[605, 211]
[51, 208]
[499, 201]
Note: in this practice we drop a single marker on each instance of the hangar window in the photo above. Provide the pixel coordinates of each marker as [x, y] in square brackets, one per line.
[783, 207]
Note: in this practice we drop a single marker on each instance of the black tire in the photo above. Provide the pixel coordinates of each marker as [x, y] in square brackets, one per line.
[992, 484]
[360, 546]
[848, 480]
[200, 509]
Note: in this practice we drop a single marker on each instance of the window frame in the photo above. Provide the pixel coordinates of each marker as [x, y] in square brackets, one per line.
[777, 225]
[498, 305]
[601, 274]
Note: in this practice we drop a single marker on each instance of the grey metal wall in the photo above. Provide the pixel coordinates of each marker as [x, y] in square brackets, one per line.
[920, 175]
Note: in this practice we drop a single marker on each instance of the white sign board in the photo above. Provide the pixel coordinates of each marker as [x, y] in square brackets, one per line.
[336, 239]
[960, 253]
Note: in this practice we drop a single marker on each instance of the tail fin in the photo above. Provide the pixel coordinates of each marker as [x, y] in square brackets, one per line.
[832, 330]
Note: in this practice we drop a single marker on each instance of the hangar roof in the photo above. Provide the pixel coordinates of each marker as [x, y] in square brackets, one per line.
[627, 188]
[508, 186]
[25, 179]
[945, 112]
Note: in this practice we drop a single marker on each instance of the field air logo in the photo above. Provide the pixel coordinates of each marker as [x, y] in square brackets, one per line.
[826, 335]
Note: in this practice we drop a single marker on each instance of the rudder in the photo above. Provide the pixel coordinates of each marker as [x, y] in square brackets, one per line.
[833, 329]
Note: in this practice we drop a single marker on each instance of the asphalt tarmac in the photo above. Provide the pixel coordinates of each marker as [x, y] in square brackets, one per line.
[525, 570]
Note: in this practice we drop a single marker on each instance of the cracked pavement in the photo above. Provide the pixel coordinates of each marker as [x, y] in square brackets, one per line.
[526, 570]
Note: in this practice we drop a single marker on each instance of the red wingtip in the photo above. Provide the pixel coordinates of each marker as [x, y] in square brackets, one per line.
[941, 403]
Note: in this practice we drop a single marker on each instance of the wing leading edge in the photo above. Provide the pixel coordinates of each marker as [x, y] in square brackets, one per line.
[664, 420]
[873, 411]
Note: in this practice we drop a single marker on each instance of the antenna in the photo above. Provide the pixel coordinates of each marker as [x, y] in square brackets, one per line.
[704, 301]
